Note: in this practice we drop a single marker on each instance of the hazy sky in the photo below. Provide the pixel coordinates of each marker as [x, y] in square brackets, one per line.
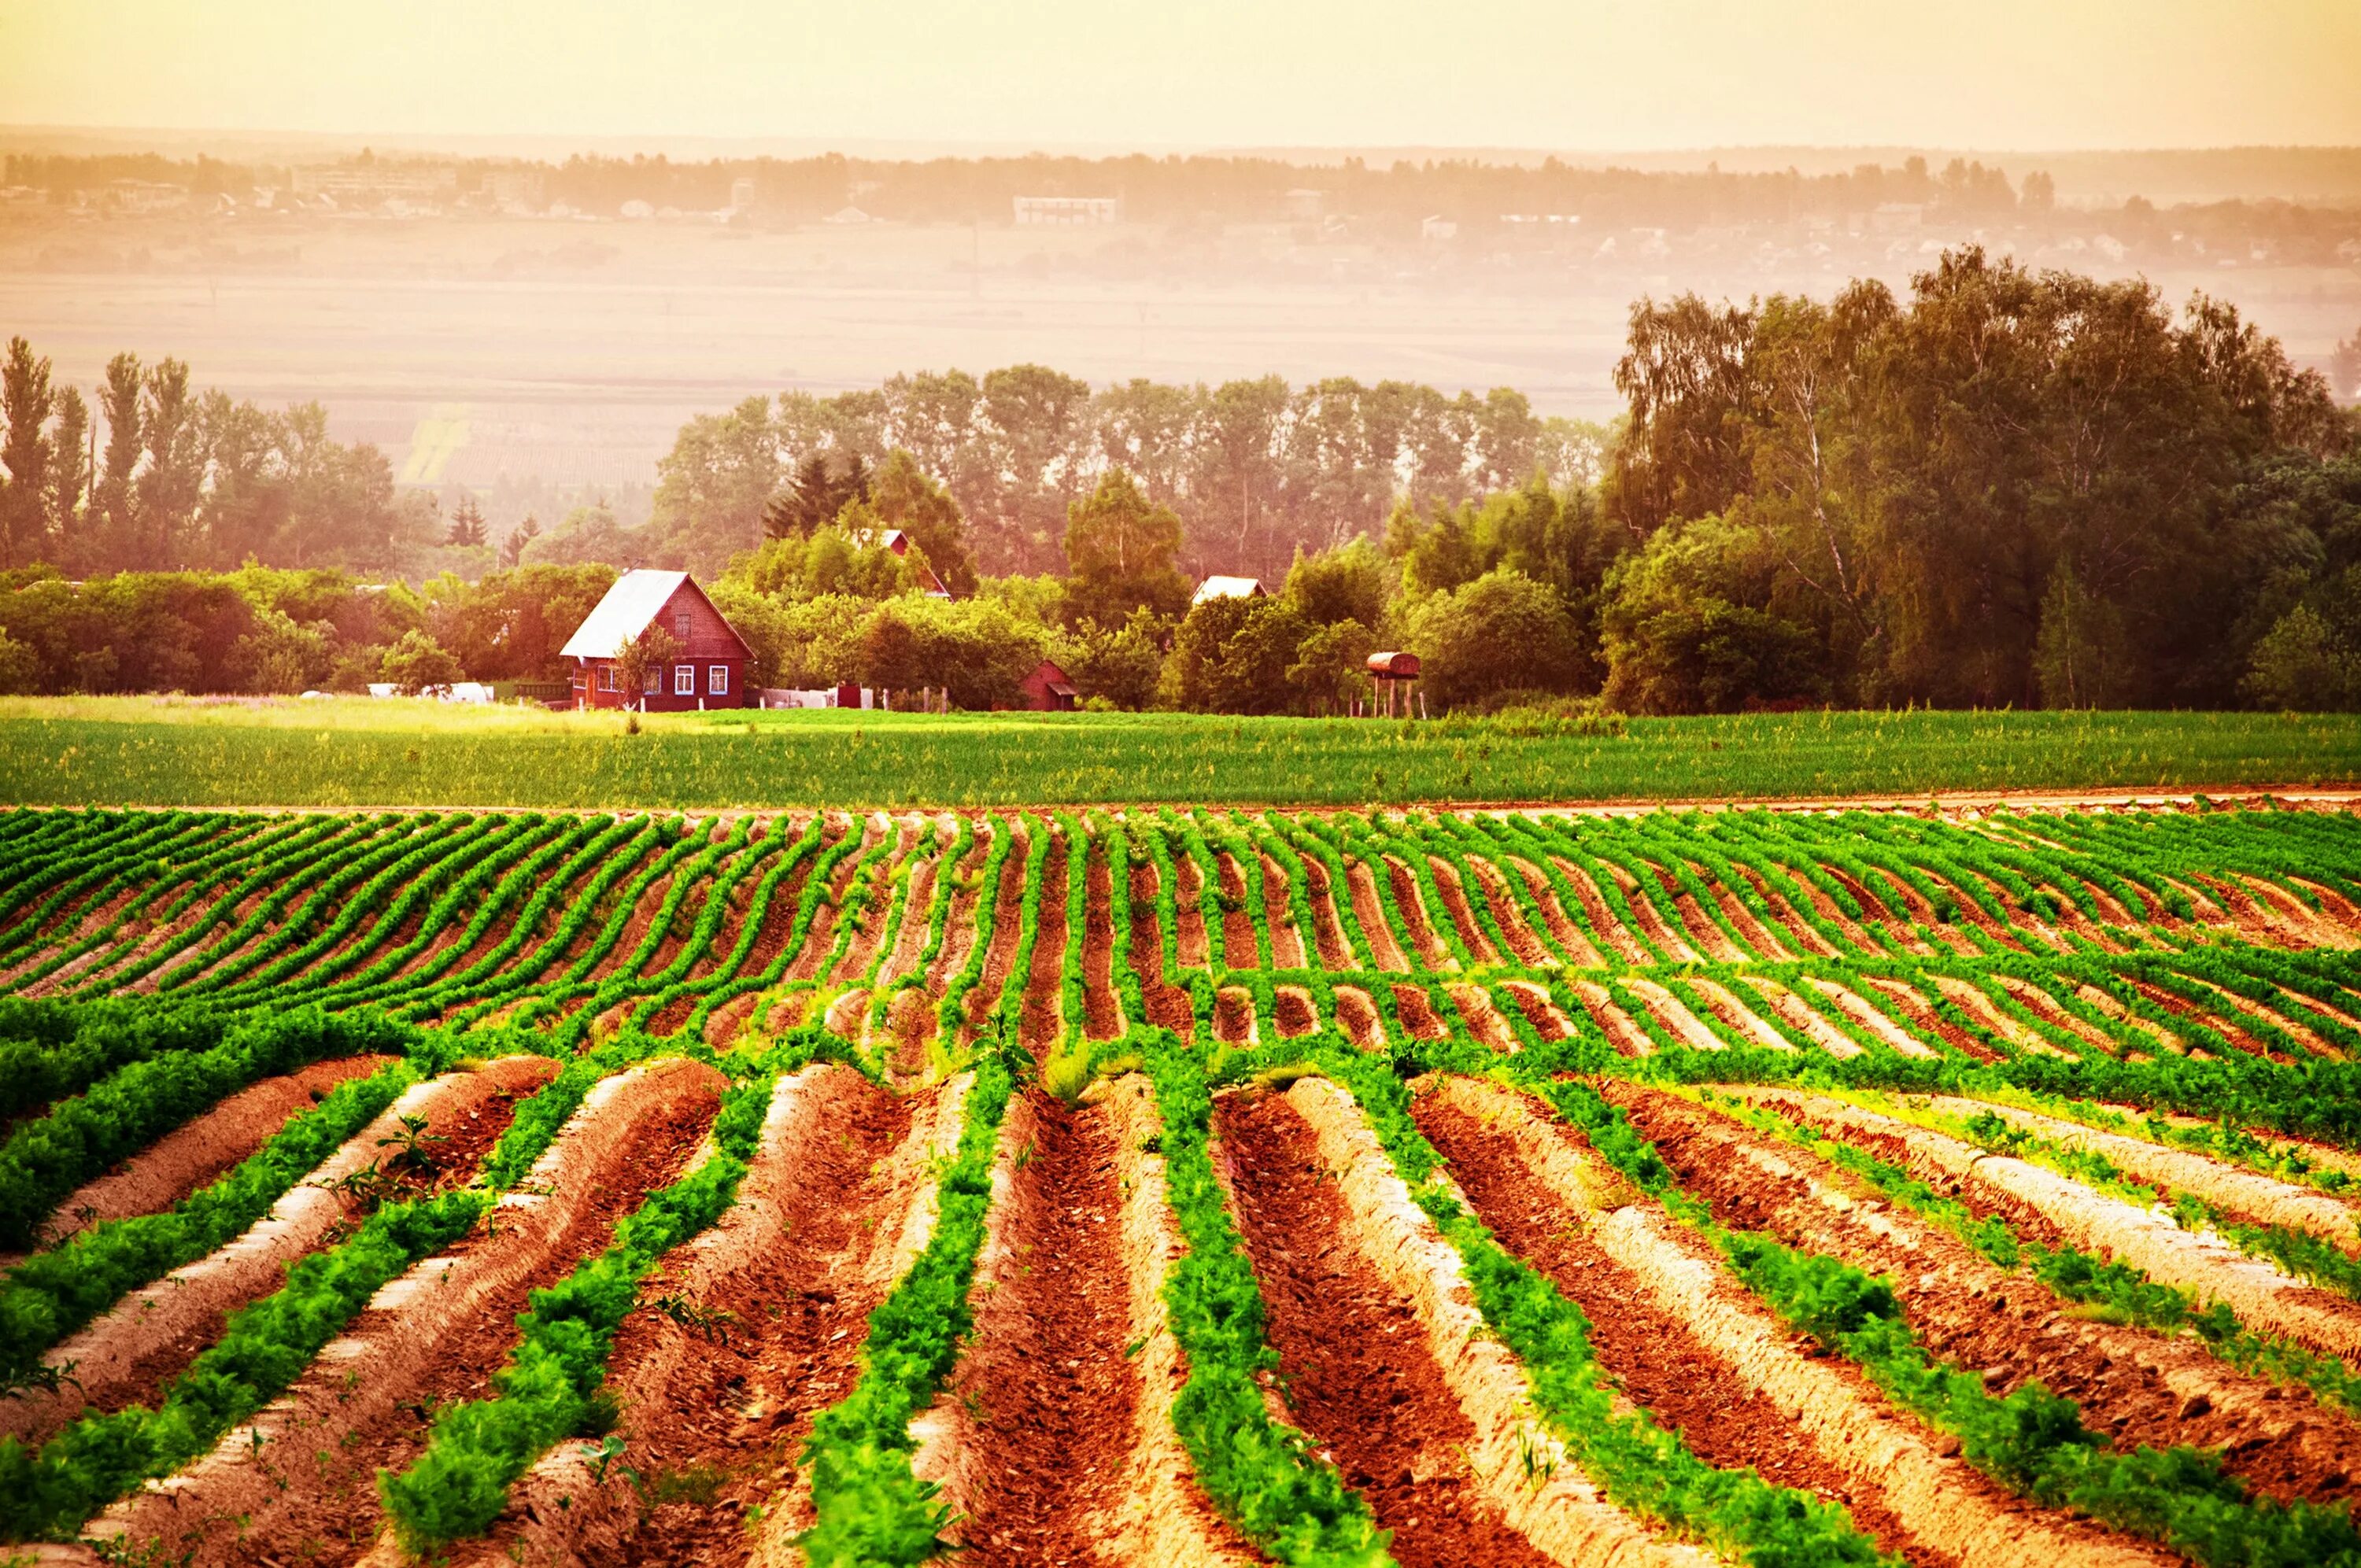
[1574, 74]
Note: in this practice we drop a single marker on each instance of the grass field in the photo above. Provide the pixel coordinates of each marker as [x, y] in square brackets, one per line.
[355, 753]
[1181, 1189]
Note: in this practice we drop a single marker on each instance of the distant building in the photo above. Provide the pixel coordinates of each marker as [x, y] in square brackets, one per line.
[896, 540]
[144, 196]
[847, 215]
[1068, 211]
[366, 185]
[1229, 588]
[522, 190]
[1307, 205]
[742, 193]
[1048, 689]
[709, 672]
[1438, 227]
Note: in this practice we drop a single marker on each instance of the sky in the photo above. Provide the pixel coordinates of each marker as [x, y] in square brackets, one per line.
[1603, 75]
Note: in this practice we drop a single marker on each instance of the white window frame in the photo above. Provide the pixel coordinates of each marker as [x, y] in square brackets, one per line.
[681, 622]
[651, 683]
[716, 680]
[684, 680]
[607, 677]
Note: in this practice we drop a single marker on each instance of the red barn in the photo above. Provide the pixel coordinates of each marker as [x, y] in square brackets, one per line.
[709, 672]
[1048, 689]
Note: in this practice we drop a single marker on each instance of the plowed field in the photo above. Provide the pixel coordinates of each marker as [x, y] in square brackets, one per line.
[1195, 1187]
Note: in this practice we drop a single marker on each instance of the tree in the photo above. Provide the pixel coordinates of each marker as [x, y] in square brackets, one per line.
[118, 401]
[171, 483]
[824, 484]
[513, 547]
[904, 495]
[1348, 584]
[2344, 369]
[1684, 632]
[712, 487]
[1503, 633]
[25, 403]
[1120, 548]
[70, 477]
[2299, 667]
[418, 664]
[644, 659]
[467, 531]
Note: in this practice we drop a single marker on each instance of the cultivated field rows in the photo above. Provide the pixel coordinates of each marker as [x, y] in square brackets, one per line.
[1181, 1188]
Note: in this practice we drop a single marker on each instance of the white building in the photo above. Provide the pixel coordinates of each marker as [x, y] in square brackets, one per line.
[1068, 211]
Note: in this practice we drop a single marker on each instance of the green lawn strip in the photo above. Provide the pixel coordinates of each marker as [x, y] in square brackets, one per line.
[2034, 1442]
[46, 1158]
[2113, 1291]
[49, 1493]
[549, 1389]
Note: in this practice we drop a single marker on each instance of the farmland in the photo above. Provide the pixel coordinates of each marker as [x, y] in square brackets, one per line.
[1181, 1187]
[357, 753]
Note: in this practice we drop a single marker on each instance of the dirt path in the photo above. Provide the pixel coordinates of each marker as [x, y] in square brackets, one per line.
[1353, 1357]
[1031, 1435]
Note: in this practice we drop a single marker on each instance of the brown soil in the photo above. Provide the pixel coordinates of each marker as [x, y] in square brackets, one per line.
[1369, 914]
[1652, 923]
[819, 938]
[198, 1152]
[1463, 918]
[1189, 913]
[1744, 921]
[1602, 920]
[1352, 1352]
[1357, 1016]
[1008, 906]
[1292, 1006]
[1704, 933]
[1234, 1015]
[1792, 925]
[468, 1140]
[2141, 1387]
[1900, 998]
[1416, 1010]
[861, 951]
[959, 920]
[1047, 1386]
[1422, 936]
[1524, 946]
[1103, 1011]
[1239, 949]
[1539, 1012]
[1286, 939]
[1168, 1006]
[337, 1518]
[1040, 1023]
[1578, 948]
[1651, 1355]
[1328, 926]
[737, 1402]
[910, 937]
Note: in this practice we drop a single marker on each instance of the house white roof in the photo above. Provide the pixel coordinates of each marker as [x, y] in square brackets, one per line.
[623, 615]
[1228, 588]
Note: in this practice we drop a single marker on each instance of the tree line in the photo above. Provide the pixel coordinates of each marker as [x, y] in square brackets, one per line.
[161, 476]
[2004, 488]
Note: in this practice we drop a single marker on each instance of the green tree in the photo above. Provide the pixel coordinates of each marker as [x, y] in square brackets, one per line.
[1503, 633]
[417, 664]
[824, 484]
[118, 549]
[901, 494]
[24, 404]
[2299, 666]
[468, 530]
[1120, 549]
[646, 658]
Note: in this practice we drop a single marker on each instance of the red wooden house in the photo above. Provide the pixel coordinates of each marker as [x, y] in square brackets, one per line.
[709, 672]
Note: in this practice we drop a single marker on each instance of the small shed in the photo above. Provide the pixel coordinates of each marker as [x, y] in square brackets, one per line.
[1048, 689]
[1229, 588]
[1391, 673]
[710, 671]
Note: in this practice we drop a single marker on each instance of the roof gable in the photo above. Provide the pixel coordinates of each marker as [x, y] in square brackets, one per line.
[636, 599]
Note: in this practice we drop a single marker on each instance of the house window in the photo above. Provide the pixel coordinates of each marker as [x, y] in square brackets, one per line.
[655, 681]
[680, 625]
[606, 677]
[716, 680]
[684, 680]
